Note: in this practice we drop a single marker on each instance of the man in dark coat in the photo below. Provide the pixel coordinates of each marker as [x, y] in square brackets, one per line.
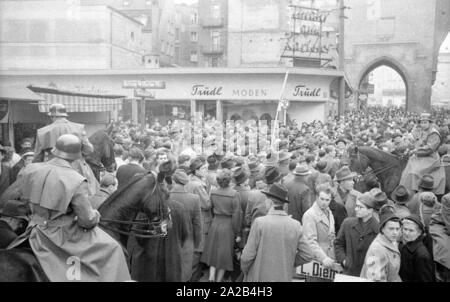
[355, 236]
[299, 194]
[126, 172]
[416, 263]
[191, 203]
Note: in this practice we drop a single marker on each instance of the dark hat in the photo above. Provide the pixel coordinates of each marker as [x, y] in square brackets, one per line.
[396, 134]
[425, 117]
[368, 200]
[272, 174]
[195, 164]
[301, 170]
[414, 218]
[380, 198]
[253, 167]
[387, 217]
[427, 182]
[400, 195]
[321, 165]
[344, 173]
[17, 209]
[283, 155]
[239, 175]
[278, 192]
[183, 158]
[227, 163]
[180, 176]
[340, 140]
[212, 162]
[272, 159]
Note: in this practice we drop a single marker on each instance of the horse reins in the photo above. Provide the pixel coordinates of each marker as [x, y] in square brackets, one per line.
[376, 171]
[138, 233]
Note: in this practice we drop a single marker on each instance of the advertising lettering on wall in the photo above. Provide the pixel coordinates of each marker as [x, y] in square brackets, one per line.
[303, 90]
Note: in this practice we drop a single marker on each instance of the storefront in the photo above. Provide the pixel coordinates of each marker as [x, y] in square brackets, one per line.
[23, 110]
[223, 93]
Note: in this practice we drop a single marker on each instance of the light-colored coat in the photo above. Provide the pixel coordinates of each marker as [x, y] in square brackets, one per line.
[382, 262]
[275, 246]
[319, 232]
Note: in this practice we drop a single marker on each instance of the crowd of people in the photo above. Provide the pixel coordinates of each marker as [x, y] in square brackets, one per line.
[247, 211]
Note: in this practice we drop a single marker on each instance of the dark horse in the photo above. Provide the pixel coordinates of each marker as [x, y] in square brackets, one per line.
[386, 166]
[143, 194]
[103, 155]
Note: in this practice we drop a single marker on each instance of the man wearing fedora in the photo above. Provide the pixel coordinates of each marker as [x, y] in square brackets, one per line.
[344, 193]
[46, 139]
[276, 244]
[356, 235]
[425, 158]
[299, 194]
[240, 178]
[426, 184]
[400, 198]
[416, 263]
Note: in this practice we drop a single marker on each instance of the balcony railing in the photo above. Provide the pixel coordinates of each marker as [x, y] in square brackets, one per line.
[212, 49]
[212, 22]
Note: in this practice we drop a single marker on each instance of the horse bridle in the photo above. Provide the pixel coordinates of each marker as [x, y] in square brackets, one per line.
[154, 229]
[374, 172]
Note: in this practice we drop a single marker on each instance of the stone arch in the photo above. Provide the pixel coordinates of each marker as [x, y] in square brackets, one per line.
[392, 63]
[236, 117]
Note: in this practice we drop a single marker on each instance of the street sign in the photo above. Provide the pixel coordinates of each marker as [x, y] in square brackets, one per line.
[153, 84]
[142, 93]
[130, 84]
[144, 84]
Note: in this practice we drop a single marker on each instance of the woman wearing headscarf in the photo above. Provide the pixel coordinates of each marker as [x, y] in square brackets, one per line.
[224, 230]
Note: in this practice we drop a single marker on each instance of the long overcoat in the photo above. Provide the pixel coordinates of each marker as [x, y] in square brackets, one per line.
[63, 232]
[275, 246]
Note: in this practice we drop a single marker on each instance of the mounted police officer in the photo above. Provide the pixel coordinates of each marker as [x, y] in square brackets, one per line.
[425, 158]
[47, 136]
[63, 230]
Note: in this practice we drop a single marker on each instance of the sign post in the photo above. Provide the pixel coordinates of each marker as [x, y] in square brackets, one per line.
[140, 91]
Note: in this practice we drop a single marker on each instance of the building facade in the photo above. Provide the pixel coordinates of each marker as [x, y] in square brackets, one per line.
[212, 34]
[186, 35]
[158, 32]
[67, 37]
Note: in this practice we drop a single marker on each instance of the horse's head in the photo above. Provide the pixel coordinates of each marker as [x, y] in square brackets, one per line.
[154, 205]
[103, 150]
[358, 161]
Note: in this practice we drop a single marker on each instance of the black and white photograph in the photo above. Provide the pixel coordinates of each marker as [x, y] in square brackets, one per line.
[239, 142]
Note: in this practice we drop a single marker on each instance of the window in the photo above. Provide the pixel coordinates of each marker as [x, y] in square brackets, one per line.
[215, 10]
[214, 61]
[194, 36]
[215, 40]
[194, 57]
[194, 18]
[126, 3]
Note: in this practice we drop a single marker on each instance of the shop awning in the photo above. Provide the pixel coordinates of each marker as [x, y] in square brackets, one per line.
[76, 101]
[19, 94]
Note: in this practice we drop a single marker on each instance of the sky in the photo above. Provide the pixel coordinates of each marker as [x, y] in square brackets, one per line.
[186, 1]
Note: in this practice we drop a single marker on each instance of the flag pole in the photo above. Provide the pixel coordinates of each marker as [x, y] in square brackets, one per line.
[279, 103]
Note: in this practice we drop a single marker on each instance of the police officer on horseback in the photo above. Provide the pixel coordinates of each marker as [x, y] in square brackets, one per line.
[425, 158]
[63, 232]
[47, 136]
